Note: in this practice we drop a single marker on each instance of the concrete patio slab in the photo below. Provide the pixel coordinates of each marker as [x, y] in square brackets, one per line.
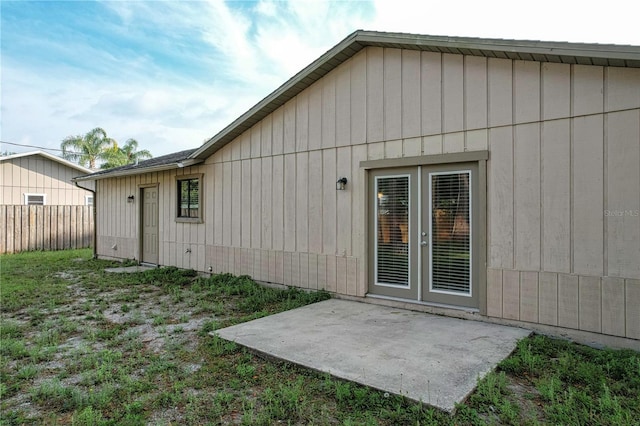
[428, 358]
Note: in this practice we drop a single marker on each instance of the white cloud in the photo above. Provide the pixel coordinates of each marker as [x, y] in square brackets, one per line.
[171, 74]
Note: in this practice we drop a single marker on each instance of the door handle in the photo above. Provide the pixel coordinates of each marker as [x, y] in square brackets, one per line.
[423, 243]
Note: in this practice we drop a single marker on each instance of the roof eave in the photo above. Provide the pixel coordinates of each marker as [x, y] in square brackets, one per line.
[138, 170]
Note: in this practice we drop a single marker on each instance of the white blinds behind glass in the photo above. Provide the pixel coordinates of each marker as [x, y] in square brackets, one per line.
[450, 236]
[392, 223]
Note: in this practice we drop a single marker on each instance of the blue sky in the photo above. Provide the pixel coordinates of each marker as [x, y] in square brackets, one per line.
[171, 74]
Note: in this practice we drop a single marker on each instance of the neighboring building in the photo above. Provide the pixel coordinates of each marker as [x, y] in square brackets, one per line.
[488, 179]
[39, 178]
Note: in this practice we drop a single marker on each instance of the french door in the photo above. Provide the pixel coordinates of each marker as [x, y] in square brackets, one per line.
[423, 225]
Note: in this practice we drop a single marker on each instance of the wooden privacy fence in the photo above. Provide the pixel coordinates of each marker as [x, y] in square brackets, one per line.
[25, 228]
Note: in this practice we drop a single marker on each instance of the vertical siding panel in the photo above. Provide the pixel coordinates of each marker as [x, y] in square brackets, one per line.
[453, 86]
[236, 147]
[295, 269]
[529, 296]
[257, 193]
[315, 116]
[623, 194]
[304, 270]
[359, 98]
[273, 277]
[375, 84]
[556, 196]
[431, 81]
[218, 203]
[556, 90]
[393, 149]
[286, 268]
[432, 144]
[236, 200]
[329, 110]
[587, 195]
[343, 104]
[278, 131]
[568, 301]
[622, 88]
[500, 91]
[632, 309]
[322, 272]
[332, 284]
[315, 201]
[329, 201]
[266, 136]
[280, 267]
[511, 294]
[245, 144]
[313, 271]
[344, 200]
[613, 315]
[589, 303]
[290, 126]
[548, 298]
[227, 204]
[475, 92]
[392, 93]
[267, 198]
[302, 121]
[527, 197]
[500, 182]
[453, 142]
[256, 142]
[412, 147]
[352, 276]
[289, 202]
[494, 292]
[341, 275]
[411, 116]
[358, 203]
[526, 91]
[277, 206]
[4, 224]
[587, 89]
[302, 202]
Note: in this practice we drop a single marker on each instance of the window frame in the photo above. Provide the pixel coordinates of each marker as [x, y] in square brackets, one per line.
[185, 219]
[86, 200]
[34, 194]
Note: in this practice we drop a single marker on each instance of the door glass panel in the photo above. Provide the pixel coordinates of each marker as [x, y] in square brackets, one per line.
[392, 236]
[450, 253]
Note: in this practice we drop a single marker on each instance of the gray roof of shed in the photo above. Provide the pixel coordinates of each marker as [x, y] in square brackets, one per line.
[528, 50]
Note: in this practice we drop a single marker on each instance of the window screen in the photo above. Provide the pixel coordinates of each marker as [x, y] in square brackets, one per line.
[450, 232]
[392, 224]
[189, 198]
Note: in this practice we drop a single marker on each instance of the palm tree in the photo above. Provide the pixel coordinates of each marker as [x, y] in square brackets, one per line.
[87, 149]
[127, 154]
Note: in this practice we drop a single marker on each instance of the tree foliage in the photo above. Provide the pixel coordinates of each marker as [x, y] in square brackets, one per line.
[126, 154]
[96, 147]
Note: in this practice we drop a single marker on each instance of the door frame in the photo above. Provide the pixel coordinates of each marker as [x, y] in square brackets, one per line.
[141, 189]
[450, 159]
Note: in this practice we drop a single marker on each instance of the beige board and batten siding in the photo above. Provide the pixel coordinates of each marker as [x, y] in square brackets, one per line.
[556, 166]
[575, 259]
[118, 226]
[35, 174]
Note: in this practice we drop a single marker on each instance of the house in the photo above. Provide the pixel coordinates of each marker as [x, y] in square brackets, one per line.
[39, 178]
[40, 206]
[490, 179]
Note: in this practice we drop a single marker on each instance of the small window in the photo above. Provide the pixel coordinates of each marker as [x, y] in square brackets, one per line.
[189, 198]
[35, 199]
[88, 200]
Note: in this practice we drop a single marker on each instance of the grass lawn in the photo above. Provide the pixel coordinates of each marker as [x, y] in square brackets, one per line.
[81, 346]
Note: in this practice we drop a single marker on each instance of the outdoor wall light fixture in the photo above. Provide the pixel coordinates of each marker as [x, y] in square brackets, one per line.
[130, 199]
[341, 184]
